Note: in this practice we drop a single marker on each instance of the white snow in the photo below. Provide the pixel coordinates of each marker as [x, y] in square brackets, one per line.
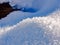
[24, 28]
[33, 31]
[42, 5]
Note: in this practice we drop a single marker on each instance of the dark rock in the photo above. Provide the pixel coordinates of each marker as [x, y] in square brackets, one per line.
[5, 9]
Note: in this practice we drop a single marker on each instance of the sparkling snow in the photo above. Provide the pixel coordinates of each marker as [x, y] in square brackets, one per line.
[33, 31]
[25, 28]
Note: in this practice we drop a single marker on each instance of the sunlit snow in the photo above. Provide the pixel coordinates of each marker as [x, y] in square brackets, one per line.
[25, 28]
[33, 31]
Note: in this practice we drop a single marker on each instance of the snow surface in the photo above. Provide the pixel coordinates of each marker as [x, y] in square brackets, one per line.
[25, 28]
[43, 6]
[39, 5]
[33, 31]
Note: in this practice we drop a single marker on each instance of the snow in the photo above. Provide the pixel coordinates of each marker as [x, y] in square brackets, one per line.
[26, 28]
[1, 1]
[43, 6]
[38, 5]
[33, 31]
[14, 18]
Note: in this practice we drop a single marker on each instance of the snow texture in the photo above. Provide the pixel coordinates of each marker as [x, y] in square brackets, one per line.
[42, 5]
[33, 31]
[25, 28]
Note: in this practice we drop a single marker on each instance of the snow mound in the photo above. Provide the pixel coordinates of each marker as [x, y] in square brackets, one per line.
[33, 31]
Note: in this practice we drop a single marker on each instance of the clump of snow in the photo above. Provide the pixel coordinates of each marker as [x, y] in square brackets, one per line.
[33, 31]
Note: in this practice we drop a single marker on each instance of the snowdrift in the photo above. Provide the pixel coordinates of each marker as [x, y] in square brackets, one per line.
[33, 31]
[24, 28]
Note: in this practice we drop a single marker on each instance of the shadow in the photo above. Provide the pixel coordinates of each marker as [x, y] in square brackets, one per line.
[31, 10]
[5, 9]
